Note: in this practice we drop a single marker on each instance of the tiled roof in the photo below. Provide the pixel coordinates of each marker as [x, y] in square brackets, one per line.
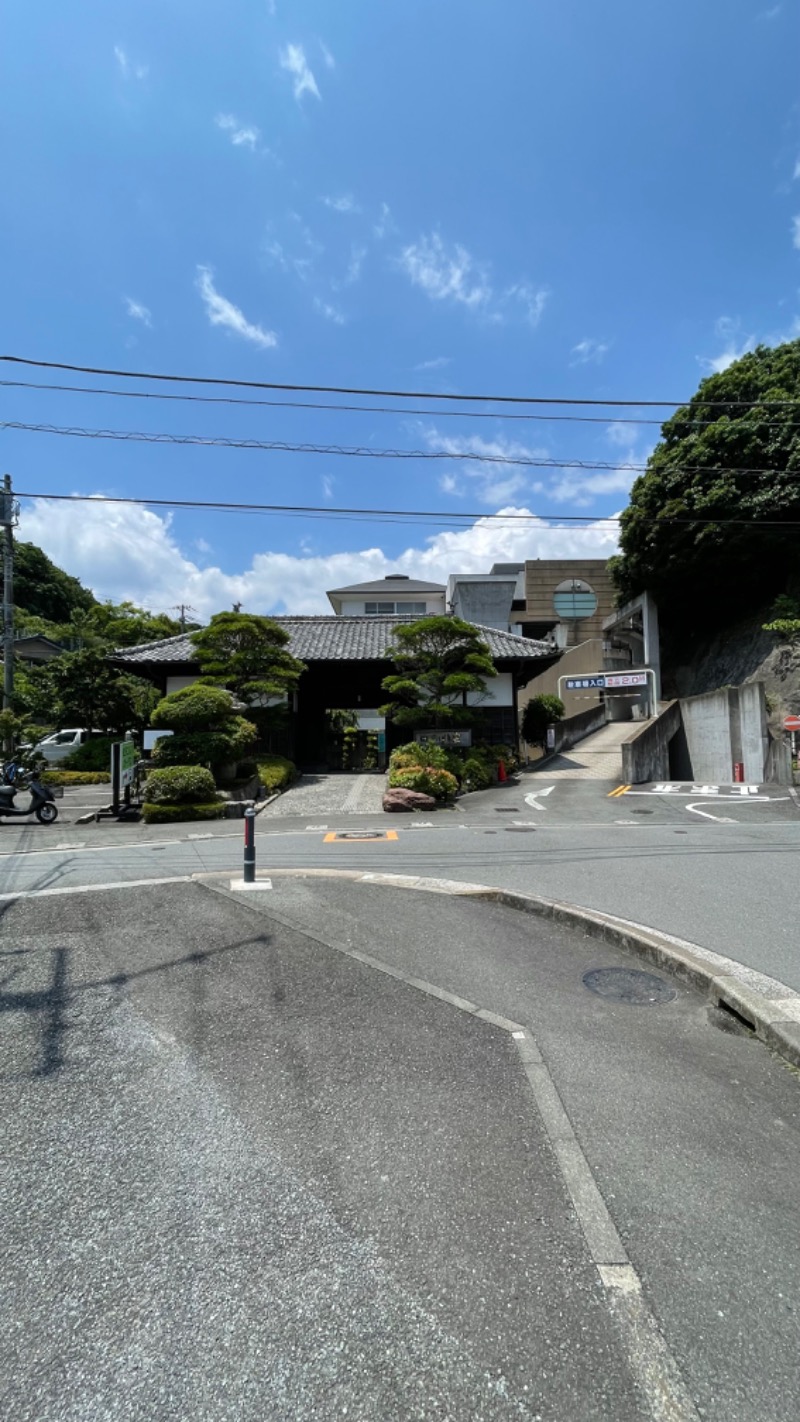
[321, 639]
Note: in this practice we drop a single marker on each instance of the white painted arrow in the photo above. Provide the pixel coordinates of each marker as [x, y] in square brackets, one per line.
[719, 819]
[533, 798]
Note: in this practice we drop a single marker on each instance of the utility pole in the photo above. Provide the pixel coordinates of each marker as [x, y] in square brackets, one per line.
[7, 523]
[182, 608]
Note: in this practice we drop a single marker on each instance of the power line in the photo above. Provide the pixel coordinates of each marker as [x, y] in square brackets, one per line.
[351, 409]
[358, 390]
[317, 510]
[365, 452]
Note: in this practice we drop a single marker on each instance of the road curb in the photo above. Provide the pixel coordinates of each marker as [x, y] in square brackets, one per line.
[770, 1009]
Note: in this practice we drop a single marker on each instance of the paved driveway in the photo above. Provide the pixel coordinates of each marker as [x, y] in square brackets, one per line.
[317, 796]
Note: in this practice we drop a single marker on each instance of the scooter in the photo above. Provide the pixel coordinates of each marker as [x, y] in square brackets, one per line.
[42, 804]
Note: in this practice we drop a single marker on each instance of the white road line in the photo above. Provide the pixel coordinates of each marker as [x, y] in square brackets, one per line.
[94, 888]
[533, 798]
[718, 819]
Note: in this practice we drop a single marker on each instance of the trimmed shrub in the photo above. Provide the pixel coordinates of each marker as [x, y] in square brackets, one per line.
[75, 777]
[476, 775]
[180, 785]
[418, 753]
[540, 712]
[94, 754]
[276, 772]
[157, 814]
[429, 779]
[194, 708]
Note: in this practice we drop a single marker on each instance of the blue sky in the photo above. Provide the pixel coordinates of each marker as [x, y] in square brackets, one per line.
[598, 201]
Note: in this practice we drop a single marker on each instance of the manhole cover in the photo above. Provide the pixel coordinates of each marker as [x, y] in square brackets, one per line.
[629, 985]
[361, 834]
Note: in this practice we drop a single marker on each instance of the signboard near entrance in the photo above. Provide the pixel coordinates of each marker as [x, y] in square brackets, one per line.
[445, 738]
[123, 764]
[605, 681]
[625, 679]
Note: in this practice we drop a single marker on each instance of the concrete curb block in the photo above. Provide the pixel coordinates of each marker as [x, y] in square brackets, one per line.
[769, 1008]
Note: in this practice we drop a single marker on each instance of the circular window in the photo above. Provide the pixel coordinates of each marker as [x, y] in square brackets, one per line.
[574, 599]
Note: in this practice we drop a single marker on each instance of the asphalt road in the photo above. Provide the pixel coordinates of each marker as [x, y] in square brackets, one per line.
[727, 882]
[248, 1176]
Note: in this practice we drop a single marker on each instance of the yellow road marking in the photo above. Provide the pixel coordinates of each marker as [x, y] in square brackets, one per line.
[620, 790]
[337, 838]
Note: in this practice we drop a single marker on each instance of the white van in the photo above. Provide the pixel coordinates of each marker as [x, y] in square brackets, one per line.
[61, 744]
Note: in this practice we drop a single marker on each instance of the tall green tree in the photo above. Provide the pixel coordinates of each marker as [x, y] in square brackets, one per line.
[732, 453]
[248, 655]
[45, 590]
[440, 661]
[82, 689]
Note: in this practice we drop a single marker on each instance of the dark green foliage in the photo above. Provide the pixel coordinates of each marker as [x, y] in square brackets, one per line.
[540, 712]
[248, 655]
[207, 747]
[157, 814]
[179, 785]
[740, 420]
[439, 661]
[94, 754]
[81, 689]
[476, 774]
[194, 708]
[44, 590]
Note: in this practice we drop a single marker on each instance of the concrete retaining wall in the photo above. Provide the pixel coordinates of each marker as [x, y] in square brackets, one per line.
[574, 728]
[707, 723]
[645, 754]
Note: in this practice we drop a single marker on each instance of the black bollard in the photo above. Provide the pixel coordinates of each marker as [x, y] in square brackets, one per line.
[249, 846]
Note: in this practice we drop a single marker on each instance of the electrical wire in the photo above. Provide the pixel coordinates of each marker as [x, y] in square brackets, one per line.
[321, 510]
[365, 452]
[359, 390]
[353, 409]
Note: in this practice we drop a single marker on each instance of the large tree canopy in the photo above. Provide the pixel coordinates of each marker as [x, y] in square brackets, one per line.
[732, 453]
[44, 590]
[248, 655]
[440, 661]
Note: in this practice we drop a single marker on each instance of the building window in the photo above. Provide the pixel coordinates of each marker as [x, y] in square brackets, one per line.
[574, 599]
[379, 609]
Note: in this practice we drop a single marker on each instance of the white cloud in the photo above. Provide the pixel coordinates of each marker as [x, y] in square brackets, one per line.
[384, 223]
[331, 313]
[241, 135]
[451, 273]
[126, 68]
[771, 14]
[138, 311]
[222, 312]
[357, 255]
[438, 363]
[582, 489]
[125, 551]
[293, 59]
[727, 331]
[327, 486]
[330, 62]
[445, 274]
[345, 203]
[796, 173]
[622, 434]
[531, 299]
[488, 482]
[588, 352]
[796, 227]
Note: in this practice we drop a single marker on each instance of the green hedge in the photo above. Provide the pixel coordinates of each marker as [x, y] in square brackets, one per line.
[168, 814]
[75, 777]
[94, 754]
[428, 779]
[477, 775]
[180, 785]
[276, 772]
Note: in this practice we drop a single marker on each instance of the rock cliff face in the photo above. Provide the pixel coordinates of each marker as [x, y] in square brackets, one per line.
[743, 652]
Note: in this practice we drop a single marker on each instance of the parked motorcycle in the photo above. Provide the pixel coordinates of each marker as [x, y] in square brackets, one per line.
[42, 803]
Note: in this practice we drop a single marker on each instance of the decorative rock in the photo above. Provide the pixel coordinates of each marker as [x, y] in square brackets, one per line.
[399, 799]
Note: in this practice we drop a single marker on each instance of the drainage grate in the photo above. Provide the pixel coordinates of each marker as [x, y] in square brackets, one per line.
[520, 829]
[642, 812]
[508, 810]
[629, 985]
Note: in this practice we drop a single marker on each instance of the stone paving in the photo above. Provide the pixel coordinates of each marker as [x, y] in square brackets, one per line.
[318, 796]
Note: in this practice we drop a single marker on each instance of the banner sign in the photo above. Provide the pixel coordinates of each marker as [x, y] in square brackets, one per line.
[626, 679]
[605, 681]
[445, 738]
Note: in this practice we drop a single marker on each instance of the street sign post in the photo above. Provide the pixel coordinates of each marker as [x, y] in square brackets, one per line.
[791, 723]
